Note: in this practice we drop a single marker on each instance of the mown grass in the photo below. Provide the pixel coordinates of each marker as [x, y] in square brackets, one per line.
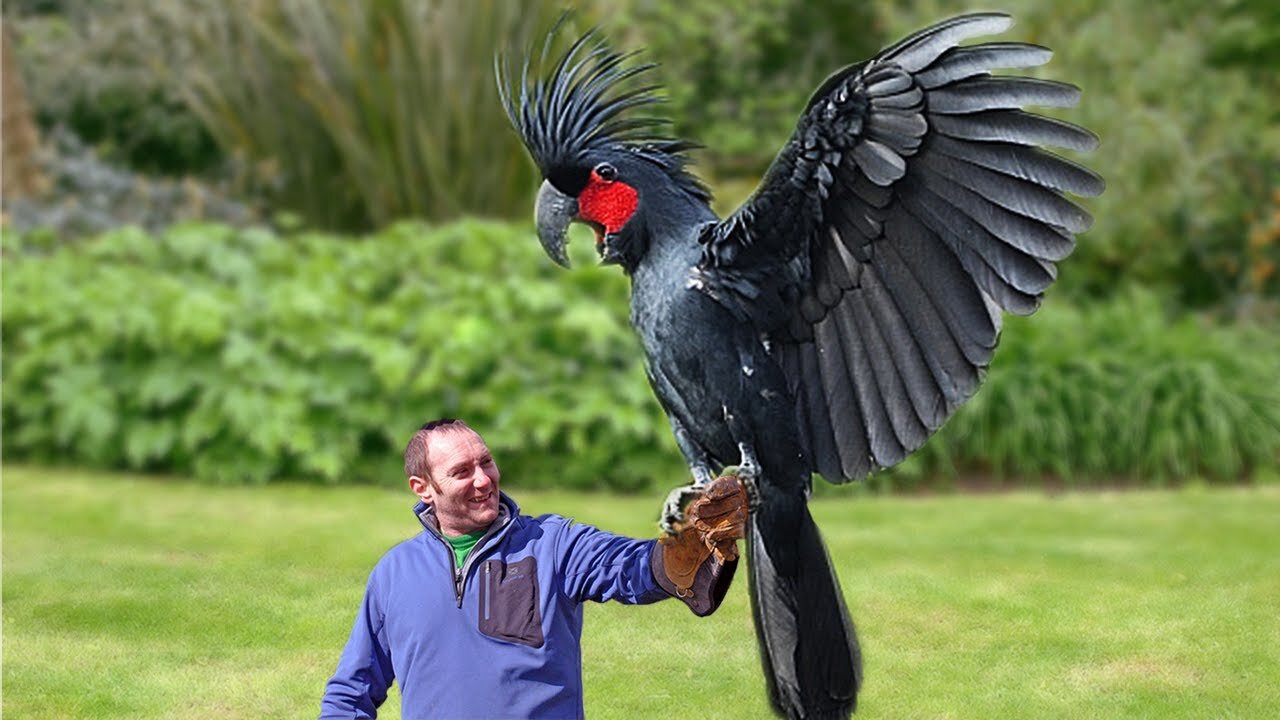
[128, 597]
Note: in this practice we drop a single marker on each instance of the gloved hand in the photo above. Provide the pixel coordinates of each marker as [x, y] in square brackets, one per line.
[712, 524]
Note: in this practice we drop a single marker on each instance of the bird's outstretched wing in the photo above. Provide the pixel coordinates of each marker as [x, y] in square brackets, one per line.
[912, 204]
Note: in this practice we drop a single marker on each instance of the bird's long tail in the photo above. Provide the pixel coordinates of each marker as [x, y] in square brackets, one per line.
[807, 641]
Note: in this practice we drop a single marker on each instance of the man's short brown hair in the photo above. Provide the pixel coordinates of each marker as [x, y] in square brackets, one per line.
[416, 462]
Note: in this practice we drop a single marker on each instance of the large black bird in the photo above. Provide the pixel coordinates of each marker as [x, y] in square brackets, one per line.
[843, 313]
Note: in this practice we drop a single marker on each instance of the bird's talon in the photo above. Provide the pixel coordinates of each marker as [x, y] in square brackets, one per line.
[673, 508]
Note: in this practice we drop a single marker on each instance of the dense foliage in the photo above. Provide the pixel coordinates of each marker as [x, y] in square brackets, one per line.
[242, 356]
[87, 68]
[357, 114]
[737, 73]
[1118, 389]
[87, 196]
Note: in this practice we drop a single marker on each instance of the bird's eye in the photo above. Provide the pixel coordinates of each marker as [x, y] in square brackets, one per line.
[606, 172]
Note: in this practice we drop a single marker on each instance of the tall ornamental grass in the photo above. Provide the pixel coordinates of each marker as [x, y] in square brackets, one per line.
[356, 114]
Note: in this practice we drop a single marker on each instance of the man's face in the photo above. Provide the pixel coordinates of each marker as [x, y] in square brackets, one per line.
[463, 486]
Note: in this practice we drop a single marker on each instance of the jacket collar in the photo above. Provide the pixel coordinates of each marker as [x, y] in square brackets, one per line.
[507, 511]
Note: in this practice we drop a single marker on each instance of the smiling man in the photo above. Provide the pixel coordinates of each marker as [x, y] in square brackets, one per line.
[490, 600]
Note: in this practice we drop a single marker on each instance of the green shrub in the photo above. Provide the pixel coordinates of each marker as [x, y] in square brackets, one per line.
[1114, 392]
[241, 356]
[87, 67]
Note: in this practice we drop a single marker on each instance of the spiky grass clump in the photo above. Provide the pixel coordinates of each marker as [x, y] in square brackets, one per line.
[357, 114]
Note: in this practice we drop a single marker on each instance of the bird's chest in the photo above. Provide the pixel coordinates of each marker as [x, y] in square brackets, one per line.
[676, 324]
[693, 345]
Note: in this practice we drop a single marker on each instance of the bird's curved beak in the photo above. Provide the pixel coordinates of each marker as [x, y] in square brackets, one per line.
[554, 211]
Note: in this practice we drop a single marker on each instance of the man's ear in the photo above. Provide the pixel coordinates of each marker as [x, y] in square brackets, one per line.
[421, 488]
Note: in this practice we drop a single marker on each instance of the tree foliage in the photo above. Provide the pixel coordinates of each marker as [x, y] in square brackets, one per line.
[738, 73]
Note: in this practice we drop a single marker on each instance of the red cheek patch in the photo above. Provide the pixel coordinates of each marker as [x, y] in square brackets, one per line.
[609, 203]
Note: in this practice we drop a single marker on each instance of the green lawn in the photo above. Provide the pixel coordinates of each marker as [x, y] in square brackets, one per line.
[129, 597]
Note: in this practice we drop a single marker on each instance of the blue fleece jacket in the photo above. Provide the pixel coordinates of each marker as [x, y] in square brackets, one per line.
[497, 638]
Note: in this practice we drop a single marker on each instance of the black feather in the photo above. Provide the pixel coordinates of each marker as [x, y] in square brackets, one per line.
[916, 52]
[1020, 196]
[1018, 269]
[1015, 126]
[938, 269]
[977, 94]
[924, 205]
[840, 384]
[962, 62]
[588, 103]
[908, 355]
[939, 346]
[817, 414]
[886, 450]
[1042, 168]
[894, 395]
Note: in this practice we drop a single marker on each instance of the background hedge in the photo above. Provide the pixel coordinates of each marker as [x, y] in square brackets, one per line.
[242, 356]
[245, 356]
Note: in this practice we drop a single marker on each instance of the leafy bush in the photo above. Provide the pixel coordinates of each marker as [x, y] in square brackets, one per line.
[1116, 390]
[241, 356]
[87, 67]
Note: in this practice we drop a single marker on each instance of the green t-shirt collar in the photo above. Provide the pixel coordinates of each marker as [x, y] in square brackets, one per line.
[462, 544]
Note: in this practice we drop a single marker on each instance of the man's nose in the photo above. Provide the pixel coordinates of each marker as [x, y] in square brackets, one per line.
[479, 477]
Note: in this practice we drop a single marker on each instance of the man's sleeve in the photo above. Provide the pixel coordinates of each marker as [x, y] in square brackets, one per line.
[359, 685]
[600, 566]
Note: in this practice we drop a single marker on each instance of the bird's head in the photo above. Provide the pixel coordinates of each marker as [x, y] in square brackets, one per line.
[602, 164]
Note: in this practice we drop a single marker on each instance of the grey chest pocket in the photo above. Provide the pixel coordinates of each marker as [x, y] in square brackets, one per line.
[509, 601]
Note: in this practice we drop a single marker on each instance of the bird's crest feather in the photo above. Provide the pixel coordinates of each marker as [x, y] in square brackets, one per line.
[587, 103]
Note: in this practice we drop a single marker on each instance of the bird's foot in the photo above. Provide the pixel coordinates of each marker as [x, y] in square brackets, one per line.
[748, 471]
[748, 466]
[673, 508]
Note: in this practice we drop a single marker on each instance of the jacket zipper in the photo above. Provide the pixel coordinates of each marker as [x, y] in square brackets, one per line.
[460, 574]
[488, 591]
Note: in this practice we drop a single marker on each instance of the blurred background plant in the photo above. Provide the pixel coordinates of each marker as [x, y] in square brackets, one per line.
[355, 114]
[1154, 358]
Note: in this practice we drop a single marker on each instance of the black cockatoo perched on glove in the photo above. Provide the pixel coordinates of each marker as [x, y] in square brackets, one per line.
[843, 313]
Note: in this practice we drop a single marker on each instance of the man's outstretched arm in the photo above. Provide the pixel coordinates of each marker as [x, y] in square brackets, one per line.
[695, 565]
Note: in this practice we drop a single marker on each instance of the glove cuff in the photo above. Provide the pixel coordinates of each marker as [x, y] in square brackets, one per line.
[710, 582]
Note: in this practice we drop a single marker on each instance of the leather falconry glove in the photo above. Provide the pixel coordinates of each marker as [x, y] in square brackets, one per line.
[693, 561]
